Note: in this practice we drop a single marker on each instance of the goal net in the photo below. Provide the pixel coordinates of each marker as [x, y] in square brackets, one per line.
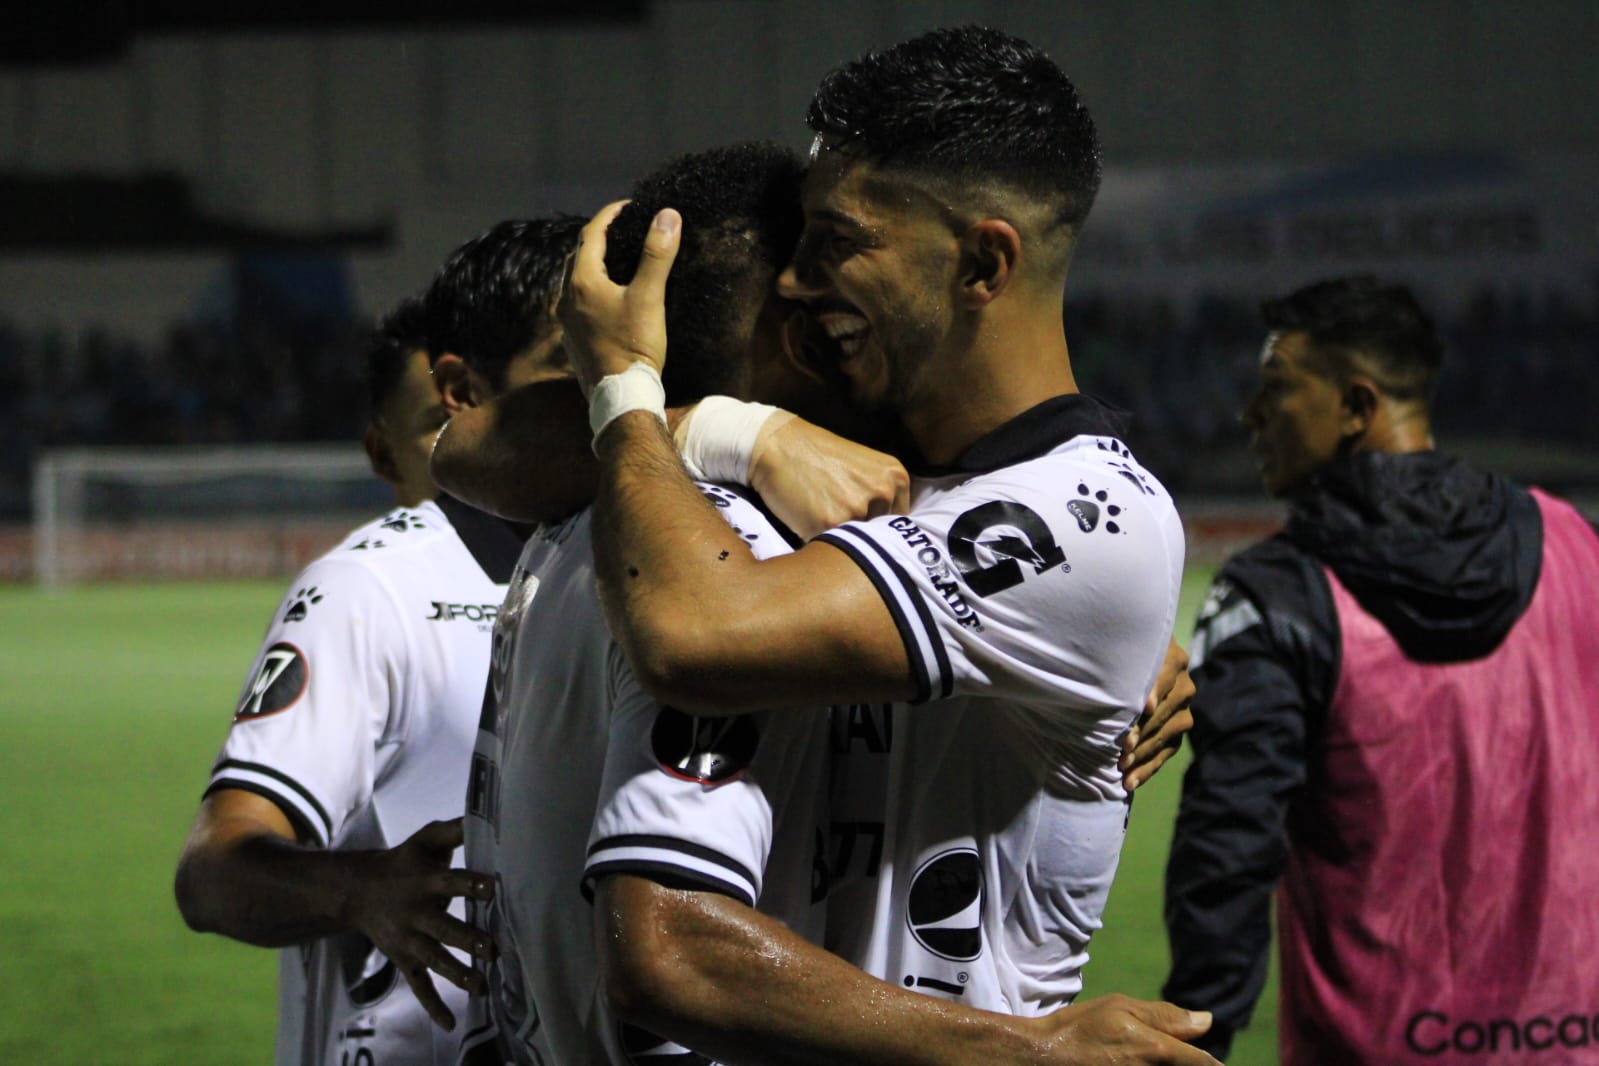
[195, 512]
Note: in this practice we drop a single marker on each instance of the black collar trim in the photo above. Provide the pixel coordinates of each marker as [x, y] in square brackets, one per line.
[493, 542]
[1034, 432]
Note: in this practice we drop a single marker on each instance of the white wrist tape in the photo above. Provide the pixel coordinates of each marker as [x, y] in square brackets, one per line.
[638, 388]
[718, 439]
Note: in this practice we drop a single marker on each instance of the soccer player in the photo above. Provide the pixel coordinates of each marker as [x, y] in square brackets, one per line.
[326, 828]
[406, 411]
[724, 809]
[1031, 590]
[1395, 724]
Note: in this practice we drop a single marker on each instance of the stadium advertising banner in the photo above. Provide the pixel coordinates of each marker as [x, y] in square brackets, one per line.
[1449, 224]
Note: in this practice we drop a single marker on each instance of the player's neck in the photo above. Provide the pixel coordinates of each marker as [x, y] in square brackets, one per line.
[995, 373]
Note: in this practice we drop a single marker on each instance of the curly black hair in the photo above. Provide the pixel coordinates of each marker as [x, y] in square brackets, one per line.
[489, 300]
[967, 104]
[741, 218]
[1362, 318]
[387, 349]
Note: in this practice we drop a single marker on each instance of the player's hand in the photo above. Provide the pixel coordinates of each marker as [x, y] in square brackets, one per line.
[609, 327]
[814, 480]
[1158, 733]
[397, 899]
[1117, 1030]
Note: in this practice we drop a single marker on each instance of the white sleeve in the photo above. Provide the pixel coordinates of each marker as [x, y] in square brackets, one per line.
[317, 699]
[1047, 582]
[692, 802]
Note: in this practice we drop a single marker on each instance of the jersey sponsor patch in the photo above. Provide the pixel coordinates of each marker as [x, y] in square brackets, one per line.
[471, 612]
[712, 751]
[945, 909]
[991, 543]
[277, 685]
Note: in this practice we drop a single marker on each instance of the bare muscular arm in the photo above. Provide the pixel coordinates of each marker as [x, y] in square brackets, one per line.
[243, 875]
[715, 975]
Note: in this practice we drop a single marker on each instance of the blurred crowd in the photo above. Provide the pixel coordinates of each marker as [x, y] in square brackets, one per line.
[1520, 365]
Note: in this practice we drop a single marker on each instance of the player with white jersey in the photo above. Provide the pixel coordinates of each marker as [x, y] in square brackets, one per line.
[355, 731]
[579, 774]
[950, 178]
[1029, 590]
[357, 722]
[321, 826]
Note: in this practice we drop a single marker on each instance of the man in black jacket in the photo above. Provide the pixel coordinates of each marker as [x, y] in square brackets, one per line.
[1394, 719]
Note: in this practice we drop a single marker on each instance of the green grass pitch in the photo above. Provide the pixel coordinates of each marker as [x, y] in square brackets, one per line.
[116, 699]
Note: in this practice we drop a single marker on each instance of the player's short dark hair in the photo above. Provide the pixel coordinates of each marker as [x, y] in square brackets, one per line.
[387, 351]
[741, 214]
[967, 104]
[1362, 321]
[489, 301]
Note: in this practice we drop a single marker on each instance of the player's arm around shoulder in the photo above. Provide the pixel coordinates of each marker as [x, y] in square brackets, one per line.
[706, 625]
[714, 975]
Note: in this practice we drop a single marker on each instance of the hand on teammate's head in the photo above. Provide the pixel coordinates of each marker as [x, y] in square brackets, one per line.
[609, 327]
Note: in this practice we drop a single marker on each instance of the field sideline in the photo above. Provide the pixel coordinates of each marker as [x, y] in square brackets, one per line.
[115, 701]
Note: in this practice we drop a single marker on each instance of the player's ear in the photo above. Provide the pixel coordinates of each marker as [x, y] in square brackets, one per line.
[453, 381]
[990, 251]
[381, 455]
[1359, 407]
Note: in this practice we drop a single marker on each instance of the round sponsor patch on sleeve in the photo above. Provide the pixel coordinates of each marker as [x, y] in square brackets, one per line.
[712, 751]
[277, 685]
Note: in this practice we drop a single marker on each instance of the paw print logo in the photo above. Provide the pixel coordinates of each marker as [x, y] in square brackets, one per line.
[368, 544]
[1114, 446]
[1087, 510]
[303, 600]
[401, 521]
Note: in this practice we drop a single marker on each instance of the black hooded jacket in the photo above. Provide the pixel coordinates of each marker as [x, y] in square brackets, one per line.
[1445, 555]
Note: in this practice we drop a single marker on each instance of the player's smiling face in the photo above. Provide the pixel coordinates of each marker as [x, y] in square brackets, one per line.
[874, 268]
[1295, 415]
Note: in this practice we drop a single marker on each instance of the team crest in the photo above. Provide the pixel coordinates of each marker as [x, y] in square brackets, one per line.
[712, 751]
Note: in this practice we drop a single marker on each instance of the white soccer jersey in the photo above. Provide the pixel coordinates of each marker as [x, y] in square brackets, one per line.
[579, 774]
[974, 838]
[357, 721]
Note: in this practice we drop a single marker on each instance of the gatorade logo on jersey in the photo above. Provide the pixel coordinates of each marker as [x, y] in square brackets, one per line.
[277, 685]
[1008, 533]
[642, 1047]
[945, 909]
[712, 751]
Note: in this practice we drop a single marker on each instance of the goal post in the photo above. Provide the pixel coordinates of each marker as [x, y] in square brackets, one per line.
[186, 511]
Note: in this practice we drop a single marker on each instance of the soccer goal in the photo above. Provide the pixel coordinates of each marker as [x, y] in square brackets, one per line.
[113, 513]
